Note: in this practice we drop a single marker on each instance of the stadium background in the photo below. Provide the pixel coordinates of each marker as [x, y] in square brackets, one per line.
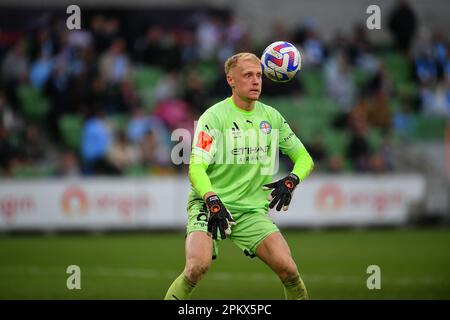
[85, 143]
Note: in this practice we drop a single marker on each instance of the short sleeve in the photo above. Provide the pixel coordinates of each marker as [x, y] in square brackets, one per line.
[205, 141]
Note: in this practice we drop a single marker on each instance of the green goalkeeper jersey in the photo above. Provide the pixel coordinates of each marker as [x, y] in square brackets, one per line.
[239, 151]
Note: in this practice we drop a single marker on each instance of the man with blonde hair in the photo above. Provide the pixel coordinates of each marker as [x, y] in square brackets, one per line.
[232, 163]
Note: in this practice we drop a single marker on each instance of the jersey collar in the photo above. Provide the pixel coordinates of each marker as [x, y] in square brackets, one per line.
[230, 100]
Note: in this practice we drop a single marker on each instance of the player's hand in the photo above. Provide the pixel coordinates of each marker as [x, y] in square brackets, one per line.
[282, 191]
[219, 217]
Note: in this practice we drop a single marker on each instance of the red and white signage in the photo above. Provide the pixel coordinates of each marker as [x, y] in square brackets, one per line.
[100, 204]
[353, 201]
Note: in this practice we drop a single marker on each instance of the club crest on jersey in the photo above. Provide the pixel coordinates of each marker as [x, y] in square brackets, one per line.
[265, 127]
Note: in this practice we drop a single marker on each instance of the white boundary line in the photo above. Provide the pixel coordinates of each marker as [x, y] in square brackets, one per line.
[219, 275]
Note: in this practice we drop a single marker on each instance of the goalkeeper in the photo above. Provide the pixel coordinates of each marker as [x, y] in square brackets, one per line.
[231, 167]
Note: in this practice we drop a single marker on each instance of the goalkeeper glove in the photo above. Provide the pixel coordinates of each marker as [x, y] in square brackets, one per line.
[219, 217]
[282, 192]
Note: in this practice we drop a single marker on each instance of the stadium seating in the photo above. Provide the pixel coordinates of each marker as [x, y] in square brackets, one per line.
[374, 138]
[137, 171]
[336, 142]
[207, 71]
[33, 104]
[70, 128]
[313, 82]
[429, 127]
[360, 77]
[398, 66]
[145, 78]
[119, 122]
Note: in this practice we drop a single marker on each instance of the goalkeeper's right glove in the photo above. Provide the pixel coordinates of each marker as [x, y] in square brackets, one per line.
[219, 217]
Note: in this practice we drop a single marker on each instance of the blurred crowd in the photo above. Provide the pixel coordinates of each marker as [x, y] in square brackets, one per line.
[56, 84]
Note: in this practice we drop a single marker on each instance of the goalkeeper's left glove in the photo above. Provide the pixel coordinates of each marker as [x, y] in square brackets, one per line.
[282, 192]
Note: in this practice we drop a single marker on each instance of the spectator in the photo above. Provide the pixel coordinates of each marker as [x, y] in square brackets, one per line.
[141, 123]
[95, 143]
[403, 25]
[15, 65]
[380, 82]
[209, 36]
[403, 121]
[339, 84]
[114, 64]
[376, 163]
[436, 100]
[446, 68]
[104, 32]
[425, 67]
[379, 114]
[68, 166]
[175, 114]
[168, 87]
[335, 164]
[148, 48]
[359, 46]
[358, 151]
[7, 151]
[33, 149]
[236, 33]
[189, 50]
[41, 70]
[313, 51]
[121, 153]
[195, 92]
[154, 154]
[9, 118]
[386, 152]
[81, 39]
[317, 152]
[440, 49]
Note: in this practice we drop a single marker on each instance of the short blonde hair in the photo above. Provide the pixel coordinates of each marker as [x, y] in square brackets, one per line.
[233, 60]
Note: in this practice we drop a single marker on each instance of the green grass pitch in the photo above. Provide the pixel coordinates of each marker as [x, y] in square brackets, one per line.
[415, 264]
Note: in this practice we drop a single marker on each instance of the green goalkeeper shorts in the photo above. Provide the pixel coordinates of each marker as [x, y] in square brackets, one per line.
[250, 230]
